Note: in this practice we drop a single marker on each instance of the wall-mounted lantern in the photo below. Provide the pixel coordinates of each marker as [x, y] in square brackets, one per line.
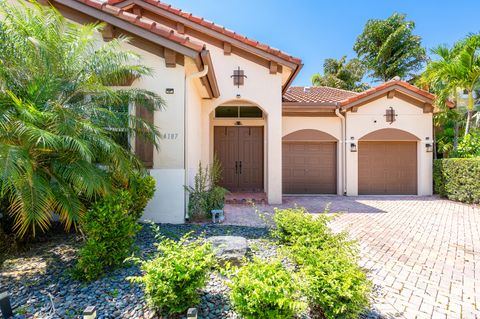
[390, 115]
[429, 147]
[353, 147]
[238, 77]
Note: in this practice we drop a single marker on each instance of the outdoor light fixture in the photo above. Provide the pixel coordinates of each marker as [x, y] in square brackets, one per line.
[238, 77]
[353, 147]
[5, 307]
[192, 313]
[429, 147]
[90, 312]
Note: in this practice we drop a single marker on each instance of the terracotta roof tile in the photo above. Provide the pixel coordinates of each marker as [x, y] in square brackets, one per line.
[316, 94]
[144, 23]
[220, 29]
[385, 85]
[323, 94]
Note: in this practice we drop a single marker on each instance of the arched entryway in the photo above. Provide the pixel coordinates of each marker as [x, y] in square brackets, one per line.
[387, 163]
[238, 140]
[309, 160]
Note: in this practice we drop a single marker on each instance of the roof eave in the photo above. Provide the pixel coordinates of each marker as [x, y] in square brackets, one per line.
[196, 26]
[206, 59]
[132, 28]
[291, 78]
[349, 103]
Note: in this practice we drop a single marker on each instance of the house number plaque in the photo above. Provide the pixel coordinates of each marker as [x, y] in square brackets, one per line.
[169, 136]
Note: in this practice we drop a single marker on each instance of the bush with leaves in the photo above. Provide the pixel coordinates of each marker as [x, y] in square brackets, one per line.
[110, 229]
[264, 290]
[469, 146]
[172, 279]
[142, 189]
[458, 179]
[333, 281]
[205, 194]
[296, 226]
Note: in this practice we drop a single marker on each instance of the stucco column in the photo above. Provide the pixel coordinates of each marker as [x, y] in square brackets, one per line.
[351, 171]
[424, 169]
[274, 157]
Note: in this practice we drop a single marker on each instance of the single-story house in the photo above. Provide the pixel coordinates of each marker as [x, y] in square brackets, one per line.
[230, 96]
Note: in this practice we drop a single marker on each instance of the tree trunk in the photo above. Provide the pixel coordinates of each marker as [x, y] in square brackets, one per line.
[469, 121]
[470, 106]
[455, 136]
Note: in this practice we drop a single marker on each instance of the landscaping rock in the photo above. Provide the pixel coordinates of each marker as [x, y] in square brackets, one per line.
[229, 248]
[30, 277]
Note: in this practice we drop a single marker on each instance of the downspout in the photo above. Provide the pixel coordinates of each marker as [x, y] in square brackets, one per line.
[189, 77]
[344, 148]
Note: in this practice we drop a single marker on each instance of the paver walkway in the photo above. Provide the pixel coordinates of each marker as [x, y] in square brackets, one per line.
[422, 253]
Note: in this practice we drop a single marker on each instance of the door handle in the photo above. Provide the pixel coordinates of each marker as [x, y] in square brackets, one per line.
[240, 167]
[236, 167]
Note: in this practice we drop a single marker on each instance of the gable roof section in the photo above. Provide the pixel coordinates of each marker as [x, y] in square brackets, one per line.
[182, 16]
[150, 30]
[346, 100]
[380, 90]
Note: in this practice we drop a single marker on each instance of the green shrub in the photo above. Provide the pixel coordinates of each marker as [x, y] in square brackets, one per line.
[296, 225]
[205, 194]
[333, 281]
[110, 229]
[142, 189]
[458, 179]
[469, 146]
[264, 290]
[215, 198]
[172, 279]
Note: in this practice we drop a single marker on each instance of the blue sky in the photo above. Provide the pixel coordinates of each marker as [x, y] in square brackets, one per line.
[315, 30]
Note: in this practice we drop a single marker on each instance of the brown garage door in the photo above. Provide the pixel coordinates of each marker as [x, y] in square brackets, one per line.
[309, 167]
[387, 168]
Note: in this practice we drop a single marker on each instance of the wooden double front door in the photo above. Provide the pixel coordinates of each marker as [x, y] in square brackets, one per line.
[240, 152]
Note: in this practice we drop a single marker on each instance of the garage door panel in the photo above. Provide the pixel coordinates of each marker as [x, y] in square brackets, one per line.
[309, 168]
[387, 168]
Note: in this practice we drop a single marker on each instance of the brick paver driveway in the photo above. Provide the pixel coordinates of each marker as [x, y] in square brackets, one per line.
[422, 253]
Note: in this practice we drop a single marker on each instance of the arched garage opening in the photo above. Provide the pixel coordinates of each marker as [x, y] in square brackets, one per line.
[387, 163]
[309, 160]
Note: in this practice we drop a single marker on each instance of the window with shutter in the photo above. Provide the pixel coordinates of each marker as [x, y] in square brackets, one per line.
[144, 148]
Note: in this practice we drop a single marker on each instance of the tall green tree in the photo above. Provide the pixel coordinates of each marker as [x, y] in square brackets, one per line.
[388, 48]
[59, 117]
[456, 70]
[342, 74]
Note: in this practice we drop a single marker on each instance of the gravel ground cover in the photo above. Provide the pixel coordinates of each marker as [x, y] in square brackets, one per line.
[40, 285]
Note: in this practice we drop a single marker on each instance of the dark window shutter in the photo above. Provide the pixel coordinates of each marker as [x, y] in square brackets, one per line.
[144, 148]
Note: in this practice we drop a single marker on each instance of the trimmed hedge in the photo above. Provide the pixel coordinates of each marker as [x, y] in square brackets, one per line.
[458, 179]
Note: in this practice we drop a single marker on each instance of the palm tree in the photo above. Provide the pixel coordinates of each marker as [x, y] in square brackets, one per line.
[458, 69]
[59, 118]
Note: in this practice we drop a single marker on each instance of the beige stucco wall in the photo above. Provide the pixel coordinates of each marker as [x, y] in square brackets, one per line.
[370, 117]
[262, 89]
[168, 203]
